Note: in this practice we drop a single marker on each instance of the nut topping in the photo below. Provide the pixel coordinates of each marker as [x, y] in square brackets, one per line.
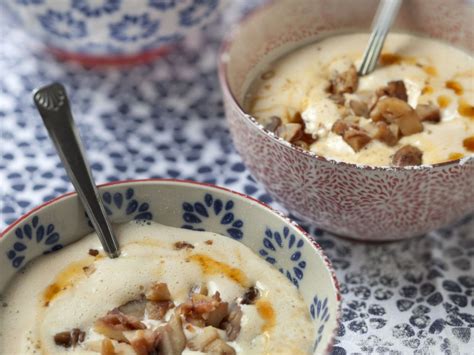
[158, 310]
[388, 134]
[407, 155]
[183, 245]
[290, 131]
[69, 339]
[345, 81]
[250, 296]
[200, 341]
[428, 112]
[393, 110]
[173, 340]
[271, 123]
[231, 324]
[356, 138]
[158, 292]
[115, 323]
[135, 308]
[359, 108]
[339, 127]
[394, 89]
[93, 252]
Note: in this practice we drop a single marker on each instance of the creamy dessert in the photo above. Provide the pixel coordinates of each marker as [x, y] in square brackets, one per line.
[172, 291]
[416, 108]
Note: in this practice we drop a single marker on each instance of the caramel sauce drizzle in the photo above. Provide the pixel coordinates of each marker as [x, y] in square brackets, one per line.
[465, 109]
[468, 143]
[67, 278]
[455, 86]
[455, 156]
[443, 101]
[266, 311]
[211, 266]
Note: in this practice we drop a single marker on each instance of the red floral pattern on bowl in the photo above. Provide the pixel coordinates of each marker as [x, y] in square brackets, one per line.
[361, 202]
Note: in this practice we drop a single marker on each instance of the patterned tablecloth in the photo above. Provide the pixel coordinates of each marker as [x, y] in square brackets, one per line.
[166, 119]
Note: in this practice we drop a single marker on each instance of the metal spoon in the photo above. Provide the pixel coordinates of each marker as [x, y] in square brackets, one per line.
[53, 106]
[386, 13]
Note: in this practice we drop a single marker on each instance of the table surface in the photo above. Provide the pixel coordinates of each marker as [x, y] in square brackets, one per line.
[166, 119]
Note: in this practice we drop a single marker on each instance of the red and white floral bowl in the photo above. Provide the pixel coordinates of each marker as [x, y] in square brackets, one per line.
[361, 202]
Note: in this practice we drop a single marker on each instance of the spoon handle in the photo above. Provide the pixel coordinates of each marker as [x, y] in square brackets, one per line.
[386, 13]
[53, 105]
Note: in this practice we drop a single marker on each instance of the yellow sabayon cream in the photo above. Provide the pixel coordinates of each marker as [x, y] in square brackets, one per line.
[295, 86]
[72, 289]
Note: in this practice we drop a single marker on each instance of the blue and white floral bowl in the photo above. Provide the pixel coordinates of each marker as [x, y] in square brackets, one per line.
[190, 205]
[101, 29]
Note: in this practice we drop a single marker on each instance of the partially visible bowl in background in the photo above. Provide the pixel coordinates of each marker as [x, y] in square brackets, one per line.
[112, 31]
[357, 201]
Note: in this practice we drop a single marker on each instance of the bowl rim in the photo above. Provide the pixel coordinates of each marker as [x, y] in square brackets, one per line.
[222, 66]
[312, 242]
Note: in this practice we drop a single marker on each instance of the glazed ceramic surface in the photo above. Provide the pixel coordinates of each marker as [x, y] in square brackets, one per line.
[193, 206]
[112, 27]
[356, 201]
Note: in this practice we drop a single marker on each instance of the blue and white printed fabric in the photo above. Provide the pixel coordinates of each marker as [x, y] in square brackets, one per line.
[166, 119]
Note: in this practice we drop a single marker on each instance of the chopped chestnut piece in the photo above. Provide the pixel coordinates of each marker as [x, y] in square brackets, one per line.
[271, 123]
[393, 110]
[231, 324]
[359, 108]
[220, 347]
[409, 124]
[88, 270]
[202, 310]
[386, 133]
[302, 144]
[344, 82]
[339, 127]
[71, 338]
[407, 155]
[157, 310]
[250, 296]
[183, 245]
[146, 342]
[158, 292]
[93, 252]
[428, 112]
[337, 98]
[135, 308]
[394, 89]
[107, 347]
[200, 341]
[115, 323]
[290, 131]
[173, 340]
[356, 138]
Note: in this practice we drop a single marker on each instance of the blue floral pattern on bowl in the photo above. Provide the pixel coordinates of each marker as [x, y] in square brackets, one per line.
[197, 11]
[275, 240]
[63, 25]
[91, 28]
[33, 232]
[133, 28]
[93, 10]
[122, 205]
[196, 214]
[319, 310]
[162, 4]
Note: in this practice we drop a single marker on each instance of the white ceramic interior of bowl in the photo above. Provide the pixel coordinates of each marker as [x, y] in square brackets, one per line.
[187, 205]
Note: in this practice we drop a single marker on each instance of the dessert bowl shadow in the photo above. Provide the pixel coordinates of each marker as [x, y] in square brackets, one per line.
[190, 205]
[357, 201]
